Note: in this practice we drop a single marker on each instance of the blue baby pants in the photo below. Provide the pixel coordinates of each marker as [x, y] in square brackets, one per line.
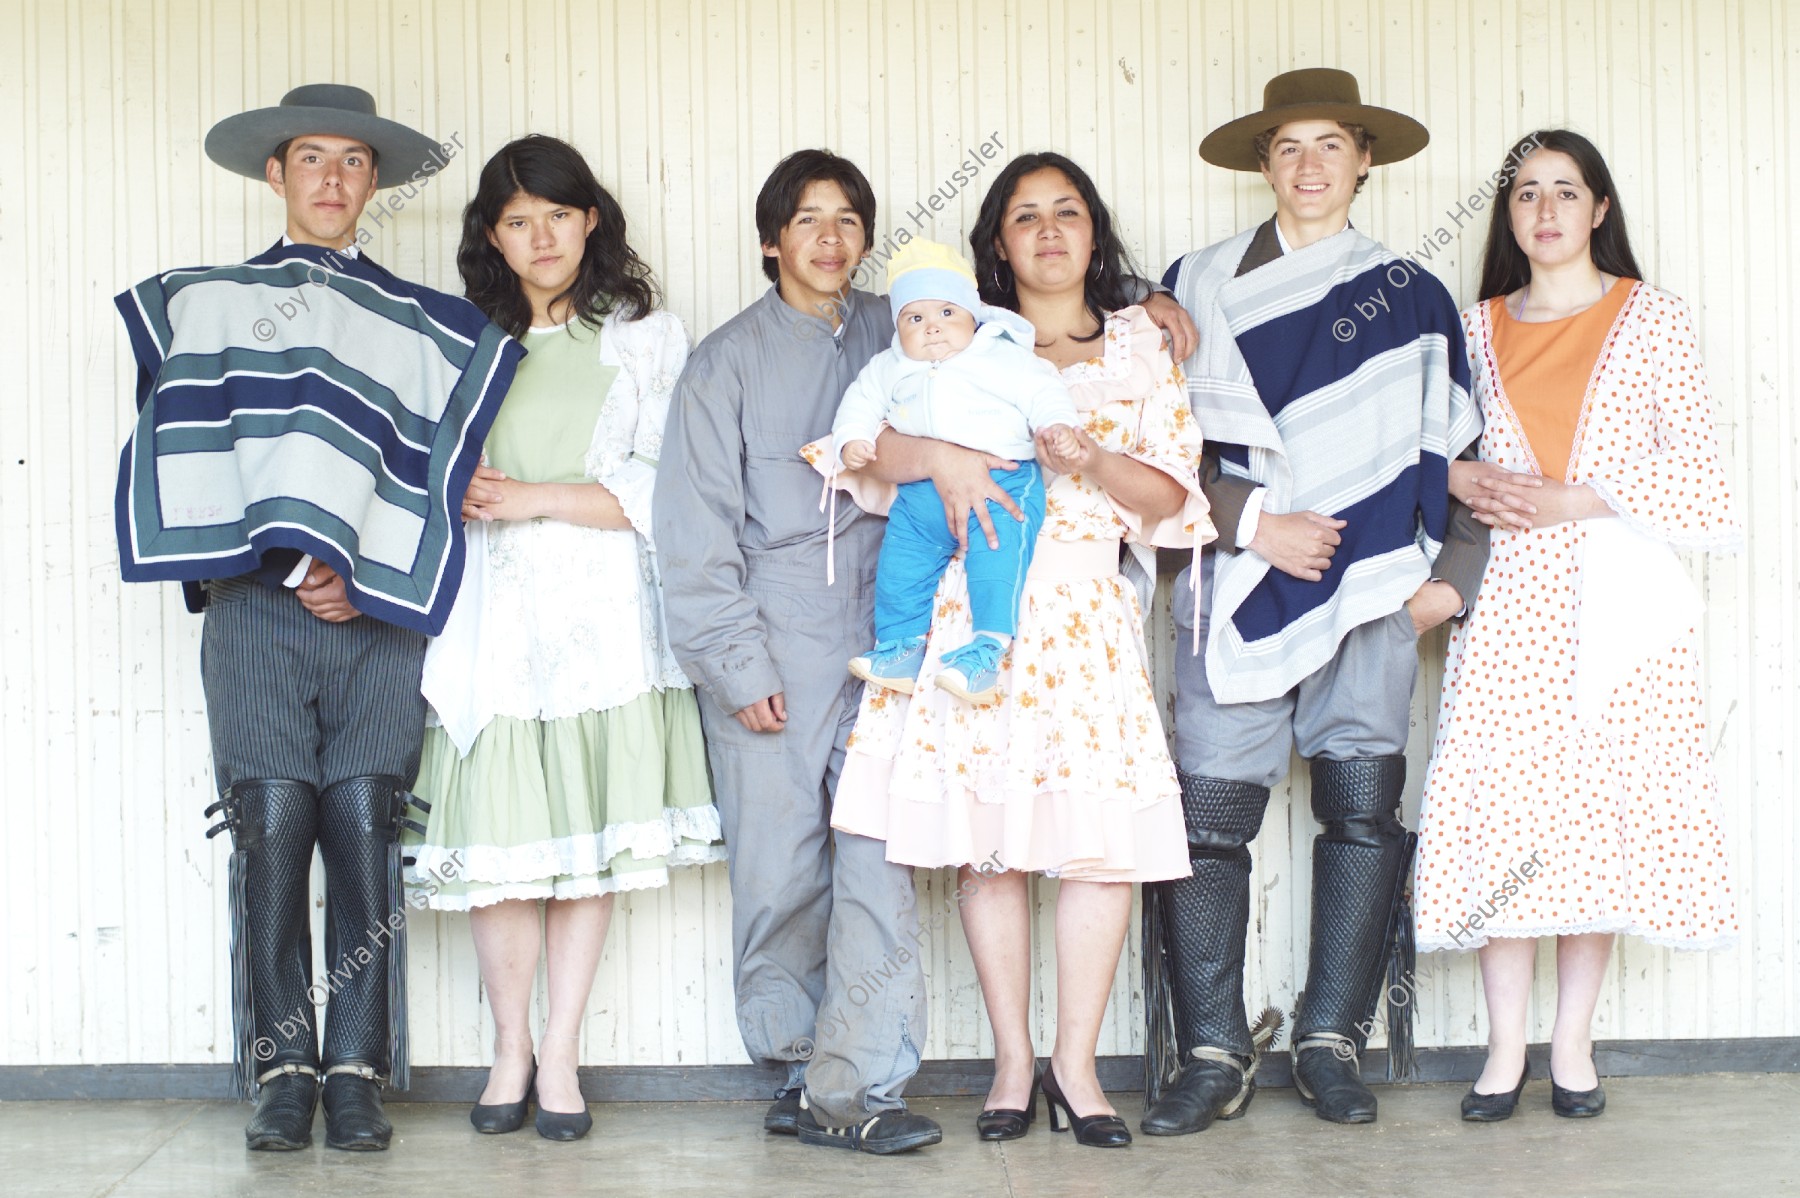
[918, 546]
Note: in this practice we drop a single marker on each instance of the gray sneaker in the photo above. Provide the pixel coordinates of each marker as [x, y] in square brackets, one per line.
[882, 1134]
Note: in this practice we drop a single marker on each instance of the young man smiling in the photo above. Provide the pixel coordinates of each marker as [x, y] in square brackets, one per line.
[307, 424]
[1332, 388]
[754, 623]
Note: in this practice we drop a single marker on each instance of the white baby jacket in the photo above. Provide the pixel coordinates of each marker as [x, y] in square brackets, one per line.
[992, 396]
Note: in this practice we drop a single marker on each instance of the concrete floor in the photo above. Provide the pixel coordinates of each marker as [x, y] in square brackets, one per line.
[1711, 1135]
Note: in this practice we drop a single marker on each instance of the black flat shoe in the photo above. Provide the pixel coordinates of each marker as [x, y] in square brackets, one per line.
[1578, 1104]
[1003, 1123]
[1095, 1131]
[284, 1112]
[354, 1119]
[783, 1115]
[1207, 1089]
[497, 1119]
[1330, 1080]
[882, 1134]
[885, 1133]
[1492, 1108]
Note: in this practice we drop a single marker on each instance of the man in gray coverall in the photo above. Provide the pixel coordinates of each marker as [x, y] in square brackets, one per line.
[751, 618]
[753, 622]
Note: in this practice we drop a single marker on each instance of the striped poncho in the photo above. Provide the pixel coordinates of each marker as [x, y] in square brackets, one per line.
[1335, 376]
[309, 401]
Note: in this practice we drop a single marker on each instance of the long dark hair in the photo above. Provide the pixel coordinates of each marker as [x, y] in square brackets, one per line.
[1109, 270]
[611, 275]
[1504, 266]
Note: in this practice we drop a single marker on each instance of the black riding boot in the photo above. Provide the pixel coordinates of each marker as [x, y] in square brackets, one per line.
[1359, 871]
[272, 825]
[365, 957]
[1203, 921]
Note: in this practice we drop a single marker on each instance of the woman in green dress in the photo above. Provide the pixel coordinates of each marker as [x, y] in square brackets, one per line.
[564, 762]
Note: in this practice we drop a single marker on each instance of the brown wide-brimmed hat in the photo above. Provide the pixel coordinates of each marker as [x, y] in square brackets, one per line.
[1314, 94]
[243, 143]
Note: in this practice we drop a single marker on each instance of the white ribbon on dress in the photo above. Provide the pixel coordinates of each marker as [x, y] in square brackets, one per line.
[1636, 601]
[454, 674]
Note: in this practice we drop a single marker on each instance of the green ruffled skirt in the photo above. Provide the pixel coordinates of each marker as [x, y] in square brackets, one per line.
[567, 808]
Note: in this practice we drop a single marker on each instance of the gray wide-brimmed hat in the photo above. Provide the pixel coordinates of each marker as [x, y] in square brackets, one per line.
[1314, 94]
[243, 143]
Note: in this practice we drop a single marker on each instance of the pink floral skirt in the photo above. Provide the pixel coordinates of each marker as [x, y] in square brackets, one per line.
[1067, 774]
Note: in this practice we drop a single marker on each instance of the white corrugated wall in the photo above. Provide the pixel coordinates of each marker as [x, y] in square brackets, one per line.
[113, 920]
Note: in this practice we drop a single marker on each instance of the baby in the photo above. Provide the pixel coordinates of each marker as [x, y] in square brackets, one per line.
[963, 372]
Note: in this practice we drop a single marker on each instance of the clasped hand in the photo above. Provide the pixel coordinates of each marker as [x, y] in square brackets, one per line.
[493, 496]
[1499, 498]
[1299, 544]
[322, 593]
[1065, 450]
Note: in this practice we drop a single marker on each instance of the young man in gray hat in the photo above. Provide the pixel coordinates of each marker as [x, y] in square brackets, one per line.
[307, 426]
[1332, 388]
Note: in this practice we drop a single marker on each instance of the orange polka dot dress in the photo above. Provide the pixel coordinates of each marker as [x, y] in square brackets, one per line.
[1543, 816]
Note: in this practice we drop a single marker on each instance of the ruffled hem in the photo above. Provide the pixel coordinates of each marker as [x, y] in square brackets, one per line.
[1057, 833]
[1621, 833]
[1189, 527]
[632, 484]
[682, 830]
[1729, 539]
[1433, 943]
[601, 802]
[868, 493]
[439, 898]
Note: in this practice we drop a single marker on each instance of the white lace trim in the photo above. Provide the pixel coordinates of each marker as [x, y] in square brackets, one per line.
[633, 489]
[575, 888]
[1704, 542]
[684, 836]
[1434, 944]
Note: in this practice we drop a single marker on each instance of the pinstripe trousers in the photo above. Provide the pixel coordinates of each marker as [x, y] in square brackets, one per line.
[289, 695]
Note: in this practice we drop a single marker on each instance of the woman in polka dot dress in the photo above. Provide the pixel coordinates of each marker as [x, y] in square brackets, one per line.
[1570, 792]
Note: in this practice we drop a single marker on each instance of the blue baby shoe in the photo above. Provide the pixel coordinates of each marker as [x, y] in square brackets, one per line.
[972, 673]
[892, 665]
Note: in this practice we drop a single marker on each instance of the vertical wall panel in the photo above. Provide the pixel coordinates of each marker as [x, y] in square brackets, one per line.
[115, 930]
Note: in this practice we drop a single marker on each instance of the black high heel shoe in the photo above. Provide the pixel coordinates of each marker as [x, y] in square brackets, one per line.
[1578, 1104]
[555, 1125]
[1003, 1123]
[1095, 1131]
[498, 1118]
[1492, 1108]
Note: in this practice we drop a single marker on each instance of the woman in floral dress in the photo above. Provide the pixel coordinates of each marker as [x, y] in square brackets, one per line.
[1571, 793]
[1068, 774]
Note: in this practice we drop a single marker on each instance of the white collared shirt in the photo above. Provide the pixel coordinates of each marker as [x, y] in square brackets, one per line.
[349, 251]
[1282, 238]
